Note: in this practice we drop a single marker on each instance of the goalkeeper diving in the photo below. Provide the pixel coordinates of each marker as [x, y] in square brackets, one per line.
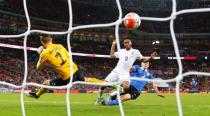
[57, 57]
[133, 90]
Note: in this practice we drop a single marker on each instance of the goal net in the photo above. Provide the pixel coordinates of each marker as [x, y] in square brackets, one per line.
[116, 23]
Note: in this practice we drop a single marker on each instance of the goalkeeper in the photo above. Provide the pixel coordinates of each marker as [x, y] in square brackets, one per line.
[57, 57]
[133, 90]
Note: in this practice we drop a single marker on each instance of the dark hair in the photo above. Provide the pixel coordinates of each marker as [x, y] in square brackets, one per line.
[126, 37]
[45, 38]
[144, 60]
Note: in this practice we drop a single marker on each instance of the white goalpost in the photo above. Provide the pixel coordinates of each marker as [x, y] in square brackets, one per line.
[116, 23]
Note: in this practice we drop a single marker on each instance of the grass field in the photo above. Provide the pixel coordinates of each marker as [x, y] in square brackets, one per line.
[83, 105]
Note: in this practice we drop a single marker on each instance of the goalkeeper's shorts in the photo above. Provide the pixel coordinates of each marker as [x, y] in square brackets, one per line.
[59, 81]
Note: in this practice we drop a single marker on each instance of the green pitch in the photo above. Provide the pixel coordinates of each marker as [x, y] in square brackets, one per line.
[83, 105]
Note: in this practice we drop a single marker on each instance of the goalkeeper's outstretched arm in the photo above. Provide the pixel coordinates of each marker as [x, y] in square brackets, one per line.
[40, 63]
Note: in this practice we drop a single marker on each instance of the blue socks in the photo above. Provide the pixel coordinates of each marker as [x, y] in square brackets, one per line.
[113, 102]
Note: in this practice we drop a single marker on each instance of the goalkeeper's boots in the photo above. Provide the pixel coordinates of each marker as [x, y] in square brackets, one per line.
[33, 94]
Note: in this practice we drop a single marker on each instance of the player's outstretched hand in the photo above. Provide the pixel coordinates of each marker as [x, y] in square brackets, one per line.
[40, 49]
[162, 96]
[114, 42]
[153, 55]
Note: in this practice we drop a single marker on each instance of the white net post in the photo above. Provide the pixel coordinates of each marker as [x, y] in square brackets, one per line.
[71, 58]
[178, 78]
[25, 57]
[117, 24]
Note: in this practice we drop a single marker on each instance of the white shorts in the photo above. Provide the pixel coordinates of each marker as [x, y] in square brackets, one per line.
[117, 77]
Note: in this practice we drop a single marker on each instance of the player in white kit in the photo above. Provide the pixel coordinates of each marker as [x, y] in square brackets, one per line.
[127, 57]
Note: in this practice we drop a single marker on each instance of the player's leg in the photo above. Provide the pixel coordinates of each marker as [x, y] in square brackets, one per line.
[58, 82]
[130, 94]
[55, 82]
[113, 95]
[38, 91]
[126, 84]
[112, 77]
[94, 80]
[123, 98]
[124, 89]
[78, 76]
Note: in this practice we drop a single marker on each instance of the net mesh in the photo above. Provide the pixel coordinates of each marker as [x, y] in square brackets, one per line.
[116, 23]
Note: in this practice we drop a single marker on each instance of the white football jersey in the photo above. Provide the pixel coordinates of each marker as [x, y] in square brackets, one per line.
[126, 60]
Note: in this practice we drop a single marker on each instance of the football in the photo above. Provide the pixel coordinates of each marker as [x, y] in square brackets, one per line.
[132, 21]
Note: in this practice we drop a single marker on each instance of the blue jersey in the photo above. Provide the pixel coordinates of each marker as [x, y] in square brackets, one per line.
[140, 73]
[194, 83]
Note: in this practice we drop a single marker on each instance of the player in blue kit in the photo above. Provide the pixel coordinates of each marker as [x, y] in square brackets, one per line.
[135, 87]
[194, 85]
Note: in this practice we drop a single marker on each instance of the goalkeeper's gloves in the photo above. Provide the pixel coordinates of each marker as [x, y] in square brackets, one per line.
[40, 49]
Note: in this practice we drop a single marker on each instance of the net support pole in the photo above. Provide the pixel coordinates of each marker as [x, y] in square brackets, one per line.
[119, 101]
[25, 58]
[176, 48]
[70, 57]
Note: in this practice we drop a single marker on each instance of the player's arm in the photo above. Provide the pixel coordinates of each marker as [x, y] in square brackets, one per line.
[112, 51]
[42, 58]
[157, 91]
[39, 65]
[152, 56]
[133, 68]
[155, 87]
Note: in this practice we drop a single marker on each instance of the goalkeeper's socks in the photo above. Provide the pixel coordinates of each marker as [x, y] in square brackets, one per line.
[94, 80]
[113, 102]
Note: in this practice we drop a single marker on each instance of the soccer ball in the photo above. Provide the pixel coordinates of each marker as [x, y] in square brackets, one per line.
[132, 21]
